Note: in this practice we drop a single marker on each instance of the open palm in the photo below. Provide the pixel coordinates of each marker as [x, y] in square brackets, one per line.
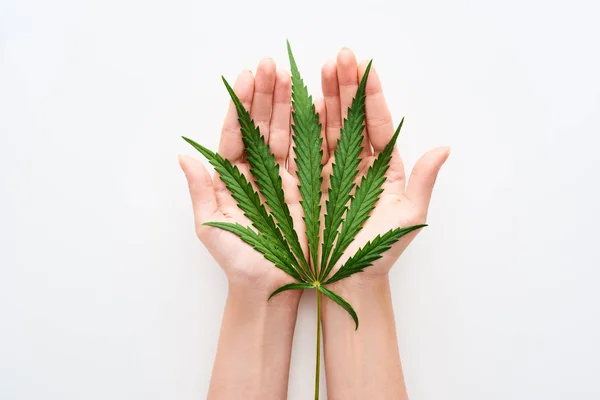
[401, 204]
[267, 97]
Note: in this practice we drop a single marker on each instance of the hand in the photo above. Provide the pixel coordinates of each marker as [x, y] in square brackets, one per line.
[367, 362]
[400, 204]
[268, 98]
[253, 356]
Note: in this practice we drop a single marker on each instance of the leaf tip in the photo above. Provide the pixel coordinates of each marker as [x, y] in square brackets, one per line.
[227, 85]
[367, 70]
[234, 97]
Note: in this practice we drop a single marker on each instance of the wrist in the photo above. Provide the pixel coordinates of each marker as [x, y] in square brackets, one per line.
[371, 299]
[253, 356]
[360, 286]
[257, 297]
[370, 354]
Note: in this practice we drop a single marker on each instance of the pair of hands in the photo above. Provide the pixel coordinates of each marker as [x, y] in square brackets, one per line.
[267, 96]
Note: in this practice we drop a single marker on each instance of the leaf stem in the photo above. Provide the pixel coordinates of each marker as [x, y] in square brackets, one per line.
[318, 359]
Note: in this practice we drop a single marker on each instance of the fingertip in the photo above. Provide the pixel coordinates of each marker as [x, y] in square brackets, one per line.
[424, 175]
[319, 105]
[362, 66]
[442, 153]
[244, 86]
[191, 167]
[181, 159]
[329, 68]
[244, 75]
[267, 68]
[279, 129]
[346, 58]
[329, 81]
[283, 87]
[267, 63]
[447, 152]
[433, 159]
[345, 54]
[201, 188]
[245, 78]
[283, 76]
[264, 81]
[181, 162]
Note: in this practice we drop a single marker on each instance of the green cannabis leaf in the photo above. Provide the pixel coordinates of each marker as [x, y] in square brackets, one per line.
[348, 205]
[345, 169]
[307, 147]
[370, 252]
[266, 175]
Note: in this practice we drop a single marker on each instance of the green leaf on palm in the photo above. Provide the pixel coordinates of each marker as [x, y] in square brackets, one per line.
[275, 237]
[370, 252]
[265, 170]
[279, 257]
[363, 202]
[243, 193]
[307, 148]
[345, 167]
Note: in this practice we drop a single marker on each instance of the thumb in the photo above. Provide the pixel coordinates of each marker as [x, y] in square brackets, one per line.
[423, 176]
[202, 192]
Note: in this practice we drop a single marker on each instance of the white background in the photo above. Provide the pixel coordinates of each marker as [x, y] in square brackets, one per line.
[105, 293]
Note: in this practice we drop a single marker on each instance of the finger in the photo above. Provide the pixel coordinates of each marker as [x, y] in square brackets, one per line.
[202, 192]
[378, 118]
[395, 180]
[262, 102]
[347, 69]
[231, 146]
[280, 131]
[331, 93]
[347, 74]
[423, 176]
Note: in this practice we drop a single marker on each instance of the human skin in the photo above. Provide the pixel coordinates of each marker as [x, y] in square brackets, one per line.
[365, 364]
[253, 355]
